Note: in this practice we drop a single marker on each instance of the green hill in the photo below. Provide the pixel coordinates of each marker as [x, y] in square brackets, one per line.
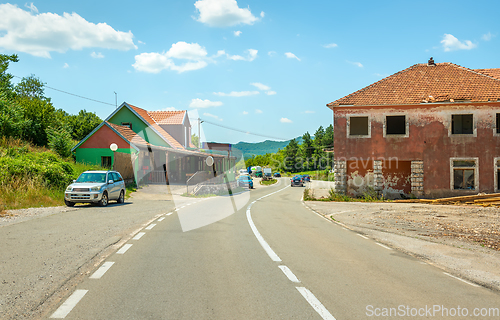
[260, 148]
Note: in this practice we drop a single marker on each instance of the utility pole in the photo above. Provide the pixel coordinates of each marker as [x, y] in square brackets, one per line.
[116, 100]
[199, 133]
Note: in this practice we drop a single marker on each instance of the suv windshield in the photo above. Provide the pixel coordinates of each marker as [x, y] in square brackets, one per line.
[92, 177]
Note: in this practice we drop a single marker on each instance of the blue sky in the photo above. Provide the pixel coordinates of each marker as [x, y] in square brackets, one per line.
[264, 67]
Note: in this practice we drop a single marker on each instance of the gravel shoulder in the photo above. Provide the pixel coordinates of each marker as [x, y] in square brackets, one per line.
[462, 240]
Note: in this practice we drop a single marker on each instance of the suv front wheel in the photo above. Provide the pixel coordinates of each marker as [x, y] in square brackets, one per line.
[104, 200]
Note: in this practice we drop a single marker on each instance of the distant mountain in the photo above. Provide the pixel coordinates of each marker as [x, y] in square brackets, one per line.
[260, 148]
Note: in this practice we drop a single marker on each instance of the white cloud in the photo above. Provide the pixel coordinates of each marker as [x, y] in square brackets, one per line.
[258, 111]
[245, 113]
[262, 14]
[169, 109]
[40, 34]
[330, 45]
[285, 120]
[154, 62]
[66, 65]
[450, 43]
[141, 42]
[260, 86]
[271, 53]
[487, 37]
[206, 114]
[309, 111]
[223, 13]
[201, 104]
[237, 93]
[97, 55]
[271, 93]
[251, 56]
[237, 33]
[291, 55]
[357, 64]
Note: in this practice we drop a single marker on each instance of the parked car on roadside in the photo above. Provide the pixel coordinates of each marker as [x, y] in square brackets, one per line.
[296, 181]
[96, 187]
[245, 181]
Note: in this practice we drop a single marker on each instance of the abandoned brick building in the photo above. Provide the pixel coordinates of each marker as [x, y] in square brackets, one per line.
[431, 130]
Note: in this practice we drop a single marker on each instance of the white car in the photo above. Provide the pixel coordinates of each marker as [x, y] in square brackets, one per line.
[96, 187]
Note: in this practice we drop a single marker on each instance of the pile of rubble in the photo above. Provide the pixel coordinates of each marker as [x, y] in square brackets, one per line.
[485, 200]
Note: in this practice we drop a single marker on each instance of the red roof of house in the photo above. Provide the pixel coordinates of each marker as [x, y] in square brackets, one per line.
[128, 134]
[168, 117]
[145, 115]
[421, 83]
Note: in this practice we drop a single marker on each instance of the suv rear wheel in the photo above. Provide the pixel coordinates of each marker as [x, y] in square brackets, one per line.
[104, 200]
[121, 198]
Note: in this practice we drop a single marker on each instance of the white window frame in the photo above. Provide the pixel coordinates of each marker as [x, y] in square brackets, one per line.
[495, 173]
[474, 124]
[407, 126]
[476, 172]
[369, 135]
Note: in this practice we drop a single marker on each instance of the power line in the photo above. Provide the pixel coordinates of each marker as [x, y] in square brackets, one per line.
[243, 131]
[72, 94]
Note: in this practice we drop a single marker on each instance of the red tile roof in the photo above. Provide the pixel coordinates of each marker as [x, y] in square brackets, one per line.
[420, 83]
[168, 117]
[145, 115]
[494, 73]
[128, 134]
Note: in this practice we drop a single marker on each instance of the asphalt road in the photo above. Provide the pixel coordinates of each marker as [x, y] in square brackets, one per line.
[261, 255]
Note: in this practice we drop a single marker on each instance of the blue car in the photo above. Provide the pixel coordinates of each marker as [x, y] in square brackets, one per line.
[306, 178]
[245, 181]
[277, 175]
[297, 181]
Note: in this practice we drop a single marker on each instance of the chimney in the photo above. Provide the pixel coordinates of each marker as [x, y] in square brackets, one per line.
[431, 62]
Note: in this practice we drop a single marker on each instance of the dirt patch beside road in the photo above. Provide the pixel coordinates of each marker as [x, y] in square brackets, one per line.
[464, 240]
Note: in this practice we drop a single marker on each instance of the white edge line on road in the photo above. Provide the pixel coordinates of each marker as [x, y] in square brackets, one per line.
[102, 270]
[315, 303]
[362, 236]
[261, 240]
[383, 246]
[151, 226]
[469, 283]
[289, 274]
[138, 236]
[161, 219]
[69, 304]
[124, 248]
[169, 213]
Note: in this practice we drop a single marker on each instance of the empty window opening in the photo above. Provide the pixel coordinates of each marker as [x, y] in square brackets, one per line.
[127, 124]
[498, 173]
[106, 162]
[358, 126]
[395, 125]
[462, 124]
[498, 122]
[463, 174]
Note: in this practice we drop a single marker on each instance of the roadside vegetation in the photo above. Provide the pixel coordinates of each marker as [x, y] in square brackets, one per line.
[36, 163]
[268, 182]
[368, 196]
[313, 156]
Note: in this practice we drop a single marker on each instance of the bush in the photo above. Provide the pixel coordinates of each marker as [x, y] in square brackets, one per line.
[59, 140]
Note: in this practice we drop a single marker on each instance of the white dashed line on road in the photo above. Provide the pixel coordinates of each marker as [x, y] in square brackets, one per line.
[102, 270]
[69, 304]
[151, 226]
[124, 248]
[289, 274]
[383, 246]
[138, 236]
[362, 236]
[315, 303]
[161, 219]
[169, 213]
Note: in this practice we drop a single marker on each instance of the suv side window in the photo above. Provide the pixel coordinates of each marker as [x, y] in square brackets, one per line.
[118, 176]
[111, 176]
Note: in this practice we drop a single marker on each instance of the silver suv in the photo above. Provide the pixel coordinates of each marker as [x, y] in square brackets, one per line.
[96, 187]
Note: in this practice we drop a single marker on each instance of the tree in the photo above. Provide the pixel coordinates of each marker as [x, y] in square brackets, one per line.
[5, 78]
[195, 140]
[290, 156]
[31, 87]
[306, 152]
[12, 121]
[82, 124]
[59, 141]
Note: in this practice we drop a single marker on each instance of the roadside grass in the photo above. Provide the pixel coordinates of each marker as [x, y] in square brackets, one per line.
[129, 189]
[322, 175]
[369, 196]
[32, 176]
[268, 182]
